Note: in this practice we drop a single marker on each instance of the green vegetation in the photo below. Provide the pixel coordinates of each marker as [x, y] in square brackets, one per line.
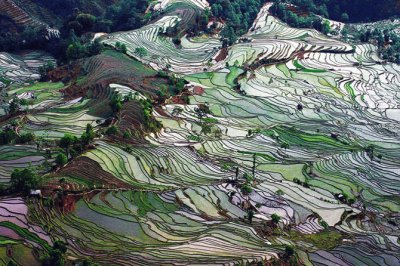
[88, 136]
[56, 255]
[246, 189]
[388, 41]
[23, 180]
[61, 159]
[326, 239]
[9, 136]
[348, 11]
[238, 14]
[121, 47]
[150, 123]
[67, 141]
[280, 10]
[116, 103]
[275, 218]
[141, 52]
[113, 130]
[301, 68]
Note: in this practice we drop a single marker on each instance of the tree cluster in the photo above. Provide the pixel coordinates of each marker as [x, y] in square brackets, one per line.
[23, 180]
[237, 14]
[9, 136]
[73, 145]
[150, 123]
[309, 20]
[56, 255]
[387, 40]
[349, 10]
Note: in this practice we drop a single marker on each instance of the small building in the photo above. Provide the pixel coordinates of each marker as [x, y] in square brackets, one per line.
[36, 192]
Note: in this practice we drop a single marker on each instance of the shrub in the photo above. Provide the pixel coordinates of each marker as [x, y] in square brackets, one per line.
[141, 52]
[323, 224]
[127, 134]
[27, 137]
[246, 189]
[247, 177]
[275, 218]
[112, 130]
[7, 136]
[289, 251]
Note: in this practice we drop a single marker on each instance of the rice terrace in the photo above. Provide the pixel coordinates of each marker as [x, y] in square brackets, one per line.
[195, 132]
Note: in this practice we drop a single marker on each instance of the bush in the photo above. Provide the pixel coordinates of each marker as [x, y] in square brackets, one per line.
[141, 52]
[112, 130]
[56, 255]
[246, 189]
[324, 224]
[275, 218]
[247, 177]
[289, 251]
[7, 136]
[116, 103]
[27, 137]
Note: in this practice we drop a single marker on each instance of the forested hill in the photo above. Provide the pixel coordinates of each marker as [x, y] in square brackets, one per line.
[350, 10]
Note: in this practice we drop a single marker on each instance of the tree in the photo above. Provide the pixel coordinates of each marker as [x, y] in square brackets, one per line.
[60, 245]
[116, 103]
[289, 251]
[23, 180]
[14, 106]
[75, 50]
[61, 159]
[66, 141]
[7, 136]
[88, 136]
[94, 48]
[44, 69]
[141, 52]
[253, 169]
[344, 17]
[248, 177]
[123, 48]
[246, 189]
[326, 28]
[27, 137]
[112, 130]
[275, 218]
[86, 20]
[56, 256]
[237, 172]
[250, 215]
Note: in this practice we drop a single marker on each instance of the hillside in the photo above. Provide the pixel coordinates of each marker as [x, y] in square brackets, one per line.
[189, 138]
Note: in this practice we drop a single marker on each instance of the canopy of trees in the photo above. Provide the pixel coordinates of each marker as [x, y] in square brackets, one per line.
[350, 10]
[23, 180]
[238, 15]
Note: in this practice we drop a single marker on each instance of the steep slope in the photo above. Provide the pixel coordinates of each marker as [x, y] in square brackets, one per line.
[287, 137]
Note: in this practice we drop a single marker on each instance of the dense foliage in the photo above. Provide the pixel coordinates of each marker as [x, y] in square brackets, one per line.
[289, 16]
[387, 40]
[23, 180]
[77, 19]
[305, 15]
[350, 10]
[238, 15]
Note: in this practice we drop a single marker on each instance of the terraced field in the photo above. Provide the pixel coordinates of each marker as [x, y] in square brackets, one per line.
[290, 140]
